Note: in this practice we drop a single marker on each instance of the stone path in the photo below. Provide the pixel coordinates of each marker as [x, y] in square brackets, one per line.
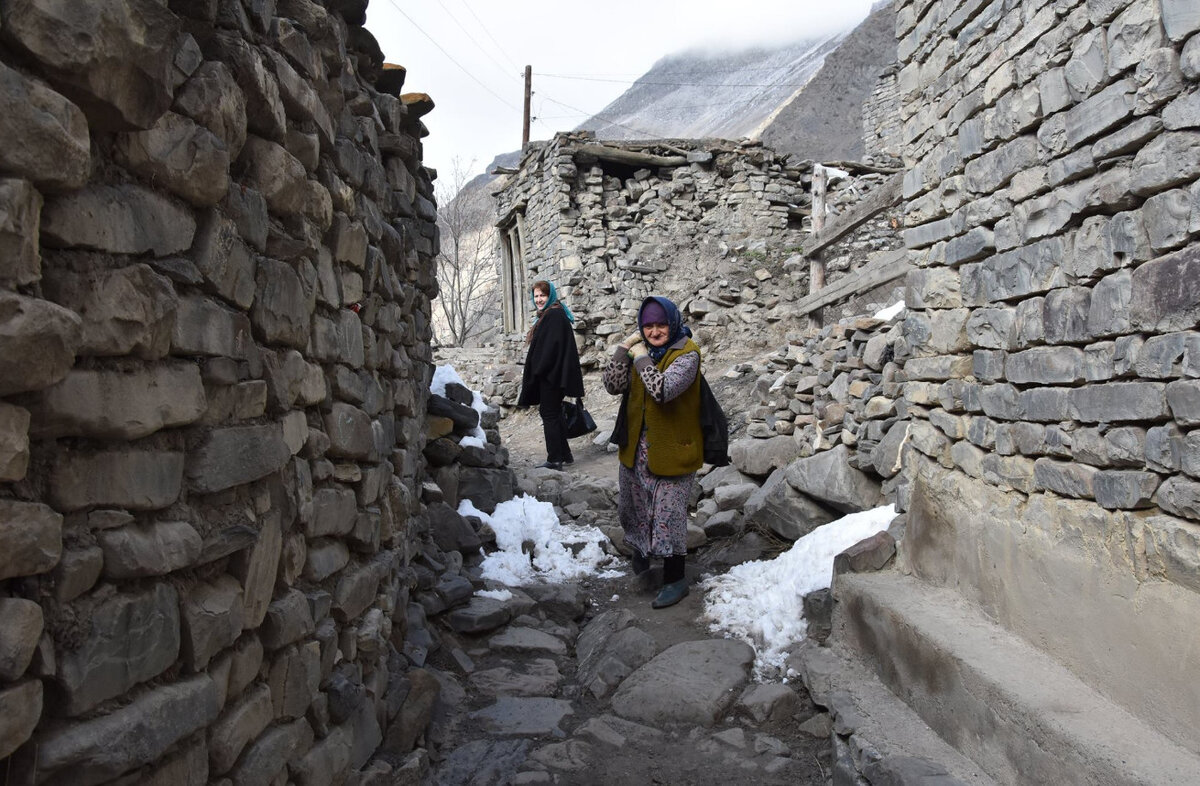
[586, 684]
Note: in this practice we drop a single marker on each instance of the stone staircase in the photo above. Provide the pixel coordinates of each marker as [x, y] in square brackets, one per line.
[1007, 706]
[1045, 642]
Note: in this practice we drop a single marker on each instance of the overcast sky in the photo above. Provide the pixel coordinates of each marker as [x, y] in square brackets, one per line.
[469, 56]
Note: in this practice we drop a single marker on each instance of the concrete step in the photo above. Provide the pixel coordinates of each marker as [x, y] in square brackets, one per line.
[1003, 703]
[875, 734]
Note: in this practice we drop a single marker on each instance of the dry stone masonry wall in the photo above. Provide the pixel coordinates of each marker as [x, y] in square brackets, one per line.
[1054, 209]
[215, 277]
[721, 227]
[1051, 359]
[612, 223]
[881, 121]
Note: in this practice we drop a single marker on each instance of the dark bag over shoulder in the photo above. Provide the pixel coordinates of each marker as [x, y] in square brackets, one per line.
[714, 427]
[577, 421]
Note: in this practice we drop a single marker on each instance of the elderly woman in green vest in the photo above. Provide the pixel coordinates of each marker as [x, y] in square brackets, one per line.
[657, 370]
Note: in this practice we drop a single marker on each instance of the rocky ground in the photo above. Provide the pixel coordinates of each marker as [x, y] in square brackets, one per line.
[589, 685]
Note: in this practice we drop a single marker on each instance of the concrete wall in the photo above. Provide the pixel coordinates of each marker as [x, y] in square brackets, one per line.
[1051, 353]
[215, 279]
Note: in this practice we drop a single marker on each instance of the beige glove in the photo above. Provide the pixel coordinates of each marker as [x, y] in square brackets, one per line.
[633, 338]
[637, 350]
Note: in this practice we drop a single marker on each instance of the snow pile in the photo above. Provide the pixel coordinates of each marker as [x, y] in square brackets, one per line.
[526, 525]
[443, 376]
[761, 602]
[886, 314]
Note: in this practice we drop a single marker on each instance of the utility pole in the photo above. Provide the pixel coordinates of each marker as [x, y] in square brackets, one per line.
[525, 120]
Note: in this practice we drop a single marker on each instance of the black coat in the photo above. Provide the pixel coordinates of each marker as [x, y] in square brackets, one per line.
[552, 357]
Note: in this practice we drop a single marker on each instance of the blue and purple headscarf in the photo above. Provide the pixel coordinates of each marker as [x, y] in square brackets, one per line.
[674, 320]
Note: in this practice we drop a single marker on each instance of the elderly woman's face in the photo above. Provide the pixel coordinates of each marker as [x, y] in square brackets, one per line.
[540, 296]
[656, 333]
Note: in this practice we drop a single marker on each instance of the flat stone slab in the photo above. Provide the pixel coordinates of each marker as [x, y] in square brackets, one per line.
[615, 732]
[693, 682]
[540, 678]
[484, 761]
[525, 717]
[527, 640]
[480, 615]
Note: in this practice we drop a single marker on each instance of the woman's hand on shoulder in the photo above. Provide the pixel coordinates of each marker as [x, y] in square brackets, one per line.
[633, 338]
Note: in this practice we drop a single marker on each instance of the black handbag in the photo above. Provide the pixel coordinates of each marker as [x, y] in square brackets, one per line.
[577, 421]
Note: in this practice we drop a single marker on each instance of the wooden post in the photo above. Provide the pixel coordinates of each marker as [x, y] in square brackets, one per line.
[528, 95]
[816, 266]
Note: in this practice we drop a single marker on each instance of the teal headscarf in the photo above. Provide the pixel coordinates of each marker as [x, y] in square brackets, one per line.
[550, 302]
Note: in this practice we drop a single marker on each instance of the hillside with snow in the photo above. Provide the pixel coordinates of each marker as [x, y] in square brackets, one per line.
[699, 94]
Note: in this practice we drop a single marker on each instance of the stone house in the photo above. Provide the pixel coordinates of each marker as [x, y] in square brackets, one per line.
[722, 227]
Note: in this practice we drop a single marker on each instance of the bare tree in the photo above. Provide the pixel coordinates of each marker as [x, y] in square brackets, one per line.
[466, 263]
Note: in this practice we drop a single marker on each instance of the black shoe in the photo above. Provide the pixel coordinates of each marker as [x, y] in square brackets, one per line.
[640, 563]
[644, 578]
[569, 460]
[556, 465]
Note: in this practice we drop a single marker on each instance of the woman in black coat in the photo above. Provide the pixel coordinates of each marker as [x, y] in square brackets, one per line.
[552, 370]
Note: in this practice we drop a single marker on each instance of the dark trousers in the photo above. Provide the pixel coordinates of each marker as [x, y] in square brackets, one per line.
[550, 408]
[673, 569]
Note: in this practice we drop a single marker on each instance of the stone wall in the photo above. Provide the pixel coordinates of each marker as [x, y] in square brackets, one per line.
[876, 236]
[881, 121]
[685, 223]
[215, 277]
[1051, 353]
[720, 227]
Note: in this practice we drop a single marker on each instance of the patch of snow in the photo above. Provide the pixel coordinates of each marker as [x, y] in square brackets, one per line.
[833, 174]
[891, 311]
[762, 602]
[527, 520]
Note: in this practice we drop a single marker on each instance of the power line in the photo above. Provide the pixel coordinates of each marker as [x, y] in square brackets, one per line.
[639, 82]
[645, 134]
[503, 68]
[666, 73]
[451, 58]
[488, 33]
[657, 107]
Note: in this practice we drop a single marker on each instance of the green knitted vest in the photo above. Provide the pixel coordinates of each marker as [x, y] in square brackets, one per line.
[676, 446]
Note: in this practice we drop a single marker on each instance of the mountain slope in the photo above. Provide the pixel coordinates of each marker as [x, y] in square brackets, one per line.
[824, 121]
[803, 98]
[700, 94]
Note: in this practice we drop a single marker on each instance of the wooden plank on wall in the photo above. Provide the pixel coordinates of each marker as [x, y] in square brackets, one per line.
[889, 267]
[816, 265]
[874, 203]
[629, 157]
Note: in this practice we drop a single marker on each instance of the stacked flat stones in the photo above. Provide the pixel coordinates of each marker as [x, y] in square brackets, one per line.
[215, 278]
[831, 386]
[1052, 202]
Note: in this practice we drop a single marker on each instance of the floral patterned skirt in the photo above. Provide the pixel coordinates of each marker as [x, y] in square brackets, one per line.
[653, 509]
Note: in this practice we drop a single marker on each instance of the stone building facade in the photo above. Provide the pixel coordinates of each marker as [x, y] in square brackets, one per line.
[721, 227]
[881, 121]
[1049, 372]
[216, 243]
